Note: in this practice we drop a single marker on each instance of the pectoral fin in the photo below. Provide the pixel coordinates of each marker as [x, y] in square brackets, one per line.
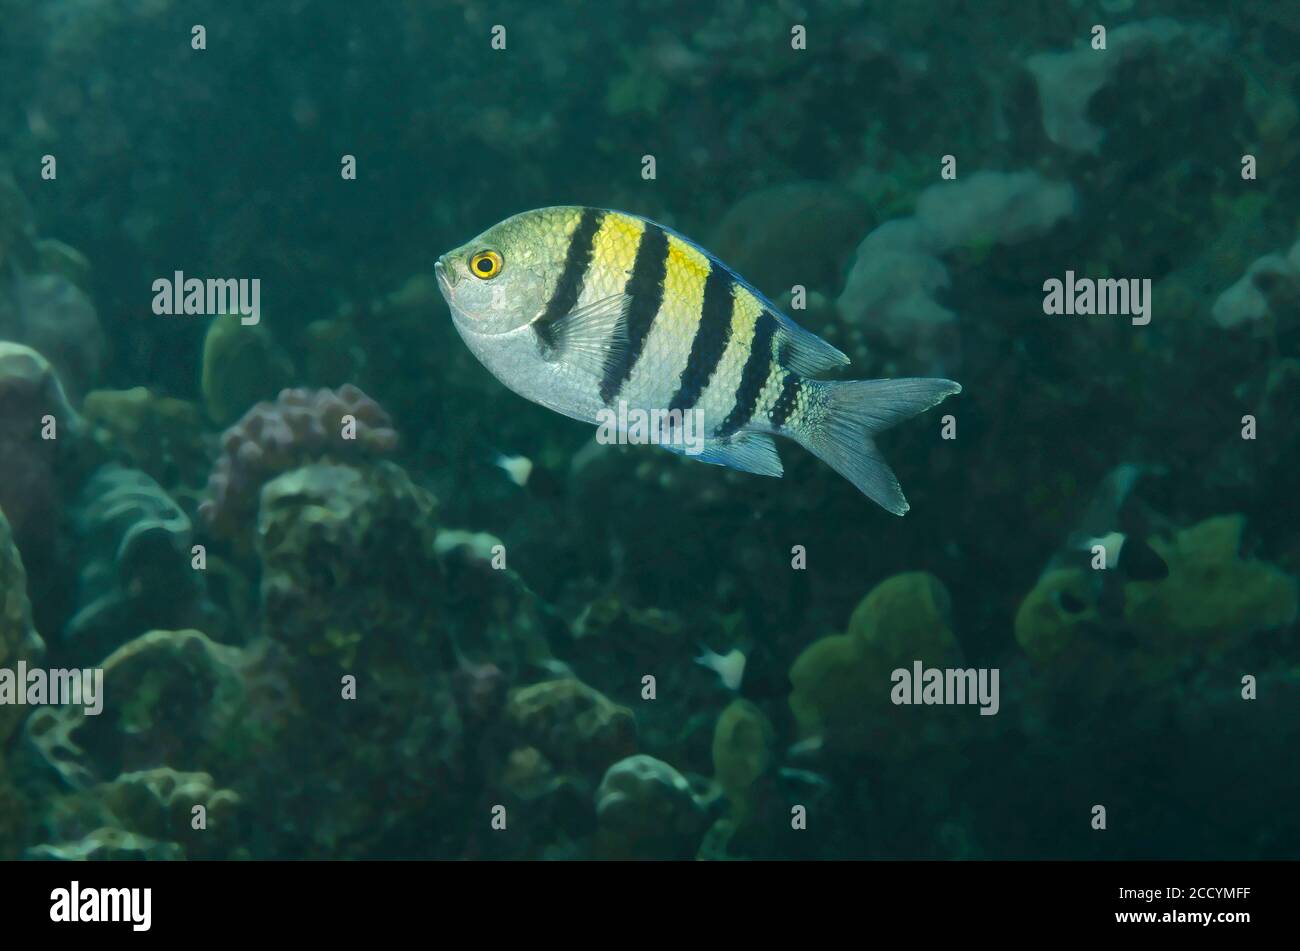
[589, 337]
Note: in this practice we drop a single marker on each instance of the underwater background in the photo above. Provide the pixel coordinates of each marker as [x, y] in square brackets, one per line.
[393, 647]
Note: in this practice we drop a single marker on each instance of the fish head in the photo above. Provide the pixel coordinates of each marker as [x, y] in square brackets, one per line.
[500, 280]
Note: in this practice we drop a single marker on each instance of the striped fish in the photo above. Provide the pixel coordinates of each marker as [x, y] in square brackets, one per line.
[603, 316]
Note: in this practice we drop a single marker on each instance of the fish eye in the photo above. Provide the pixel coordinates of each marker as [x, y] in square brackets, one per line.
[485, 265]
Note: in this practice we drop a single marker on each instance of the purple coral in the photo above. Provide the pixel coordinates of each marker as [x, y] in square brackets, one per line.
[300, 426]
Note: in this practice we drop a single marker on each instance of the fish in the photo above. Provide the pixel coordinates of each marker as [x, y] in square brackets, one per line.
[516, 468]
[605, 317]
[730, 667]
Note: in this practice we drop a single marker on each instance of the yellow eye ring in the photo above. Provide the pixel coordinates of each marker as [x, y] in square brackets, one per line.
[485, 265]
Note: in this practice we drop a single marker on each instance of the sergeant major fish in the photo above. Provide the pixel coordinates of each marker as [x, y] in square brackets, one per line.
[583, 310]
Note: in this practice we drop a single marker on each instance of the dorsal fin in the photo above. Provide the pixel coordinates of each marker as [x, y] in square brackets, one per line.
[802, 351]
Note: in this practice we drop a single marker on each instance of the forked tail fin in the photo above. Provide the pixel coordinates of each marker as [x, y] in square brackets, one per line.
[853, 411]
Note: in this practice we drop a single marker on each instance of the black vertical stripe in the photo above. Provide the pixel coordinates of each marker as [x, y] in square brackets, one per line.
[569, 287]
[786, 402]
[757, 366]
[711, 336]
[645, 292]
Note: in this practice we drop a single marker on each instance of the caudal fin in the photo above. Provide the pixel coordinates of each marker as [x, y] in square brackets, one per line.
[855, 410]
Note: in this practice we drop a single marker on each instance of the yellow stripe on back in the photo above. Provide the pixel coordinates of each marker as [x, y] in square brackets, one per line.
[668, 347]
[613, 254]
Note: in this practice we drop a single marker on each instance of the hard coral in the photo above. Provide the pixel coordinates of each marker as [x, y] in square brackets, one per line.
[299, 427]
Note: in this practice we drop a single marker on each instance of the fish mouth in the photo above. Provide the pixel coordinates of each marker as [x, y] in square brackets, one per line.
[444, 280]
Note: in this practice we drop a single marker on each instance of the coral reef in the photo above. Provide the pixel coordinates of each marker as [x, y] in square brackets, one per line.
[742, 751]
[347, 554]
[799, 233]
[160, 435]
[155, 814]
[574, 726]
[241, 366]
[275, 437]
[1212, 597]
[842, 682]
[136, 571]
[645, 809]
[1203, 612]
[186, 707]
[44, 301]
[898, 268]
[37, 424]
[1269, 285]
[1067, 82]
[19, 641]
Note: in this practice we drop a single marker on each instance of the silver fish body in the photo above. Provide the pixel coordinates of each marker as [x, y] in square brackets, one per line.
[586, 310]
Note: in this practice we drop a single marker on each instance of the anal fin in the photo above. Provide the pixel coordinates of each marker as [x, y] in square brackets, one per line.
[746, 452]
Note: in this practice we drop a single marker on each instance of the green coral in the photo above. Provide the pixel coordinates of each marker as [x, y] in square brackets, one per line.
[1212, 597]
[842, 682]
[241, 365]
[742, 751]
[1055, 617]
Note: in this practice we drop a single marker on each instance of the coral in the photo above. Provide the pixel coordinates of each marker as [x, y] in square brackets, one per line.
[51, 314]
[575, 726]
[348, 556]
[241, 365]
[183, 702]
[18, 638]
[1211, 601]
[842, 682]
[906, 614]
[30, 390]
[1270, 284]
[150, 812]
[799, 233]
[160, 803]
[136, 572]
[742, 751]
[271, 438]
[1067, 82]
[108, 844]
[160, 435]
[43, 295]
[645, 809]
[1055, 618]
[1212, 598]
[898, 271]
